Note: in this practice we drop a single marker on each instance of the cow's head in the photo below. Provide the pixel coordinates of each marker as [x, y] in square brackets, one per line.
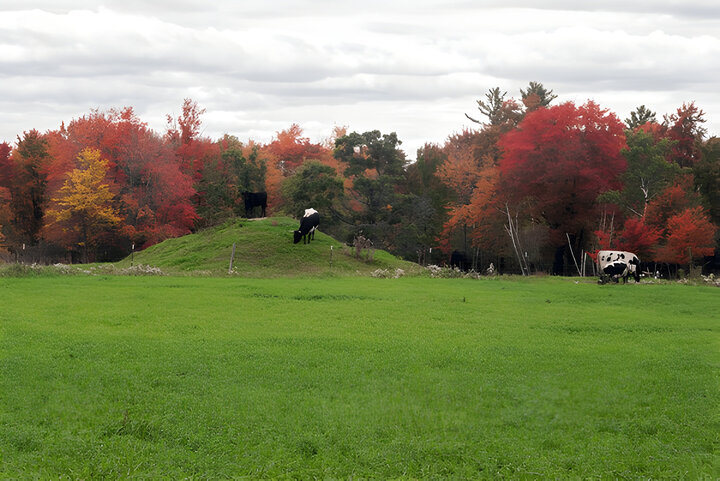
[297, 235]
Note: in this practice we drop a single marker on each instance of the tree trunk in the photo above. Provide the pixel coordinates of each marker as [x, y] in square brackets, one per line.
[558, 268]
[512, 232]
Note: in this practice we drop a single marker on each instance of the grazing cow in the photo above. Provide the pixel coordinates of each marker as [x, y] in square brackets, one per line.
[255, 199]
[308, 224]
[616, 264]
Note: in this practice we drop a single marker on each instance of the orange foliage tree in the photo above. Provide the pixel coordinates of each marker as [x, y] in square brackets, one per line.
[291, 149]
[470, 154]
[483, 213]
[460, 171]
[286, 153]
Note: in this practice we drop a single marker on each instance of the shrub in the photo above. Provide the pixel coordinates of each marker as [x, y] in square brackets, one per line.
[385, 273]
[451, 273]
[27, 270]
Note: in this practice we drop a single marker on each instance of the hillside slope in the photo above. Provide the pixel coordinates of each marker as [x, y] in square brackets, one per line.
[264, 248]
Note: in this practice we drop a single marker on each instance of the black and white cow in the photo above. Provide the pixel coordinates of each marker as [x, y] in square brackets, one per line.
[616, 264]
[308, 224]
[255, 199]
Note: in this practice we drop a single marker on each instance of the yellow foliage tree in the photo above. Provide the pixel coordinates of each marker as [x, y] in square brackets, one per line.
[85, 206]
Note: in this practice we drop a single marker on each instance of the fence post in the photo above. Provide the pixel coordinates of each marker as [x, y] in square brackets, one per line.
[232, 257]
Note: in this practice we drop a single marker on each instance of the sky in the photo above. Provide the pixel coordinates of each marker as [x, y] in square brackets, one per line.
[410, 67]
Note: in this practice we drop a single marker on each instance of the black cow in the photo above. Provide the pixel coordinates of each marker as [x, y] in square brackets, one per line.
[459, 259]
[616, 264]
[255, 199]
[308, 224]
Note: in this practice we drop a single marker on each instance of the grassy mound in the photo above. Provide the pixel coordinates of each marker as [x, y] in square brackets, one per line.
[264, 248]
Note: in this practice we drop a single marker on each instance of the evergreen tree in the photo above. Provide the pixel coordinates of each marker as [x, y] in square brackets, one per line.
[640, 116]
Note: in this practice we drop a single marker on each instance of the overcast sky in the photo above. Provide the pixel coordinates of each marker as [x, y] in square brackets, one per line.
[413, 67]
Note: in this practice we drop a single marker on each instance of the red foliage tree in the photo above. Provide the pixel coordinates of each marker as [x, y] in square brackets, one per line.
[192, 150]
[657, 131]
[26, 177]
[6, 170]
[638, 238]
[558, 160]
[685, 129]
[674, 199]
[143, 172]
[5, 177]
[690, 236]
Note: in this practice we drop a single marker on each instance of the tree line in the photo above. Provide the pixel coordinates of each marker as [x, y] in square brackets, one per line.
[531, 187]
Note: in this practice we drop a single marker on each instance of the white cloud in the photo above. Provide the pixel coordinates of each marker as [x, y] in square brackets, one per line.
[411, 67]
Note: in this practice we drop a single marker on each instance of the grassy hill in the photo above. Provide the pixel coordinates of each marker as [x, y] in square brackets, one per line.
[264, 248]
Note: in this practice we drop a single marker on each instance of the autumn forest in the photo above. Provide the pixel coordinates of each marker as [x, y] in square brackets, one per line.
[532, 187]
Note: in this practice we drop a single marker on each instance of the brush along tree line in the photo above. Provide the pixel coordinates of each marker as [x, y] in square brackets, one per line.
[531, 186]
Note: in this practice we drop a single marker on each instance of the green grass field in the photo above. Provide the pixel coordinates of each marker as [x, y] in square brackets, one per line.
[207, 378]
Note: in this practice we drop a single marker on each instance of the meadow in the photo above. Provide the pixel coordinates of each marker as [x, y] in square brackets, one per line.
[208, 378]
